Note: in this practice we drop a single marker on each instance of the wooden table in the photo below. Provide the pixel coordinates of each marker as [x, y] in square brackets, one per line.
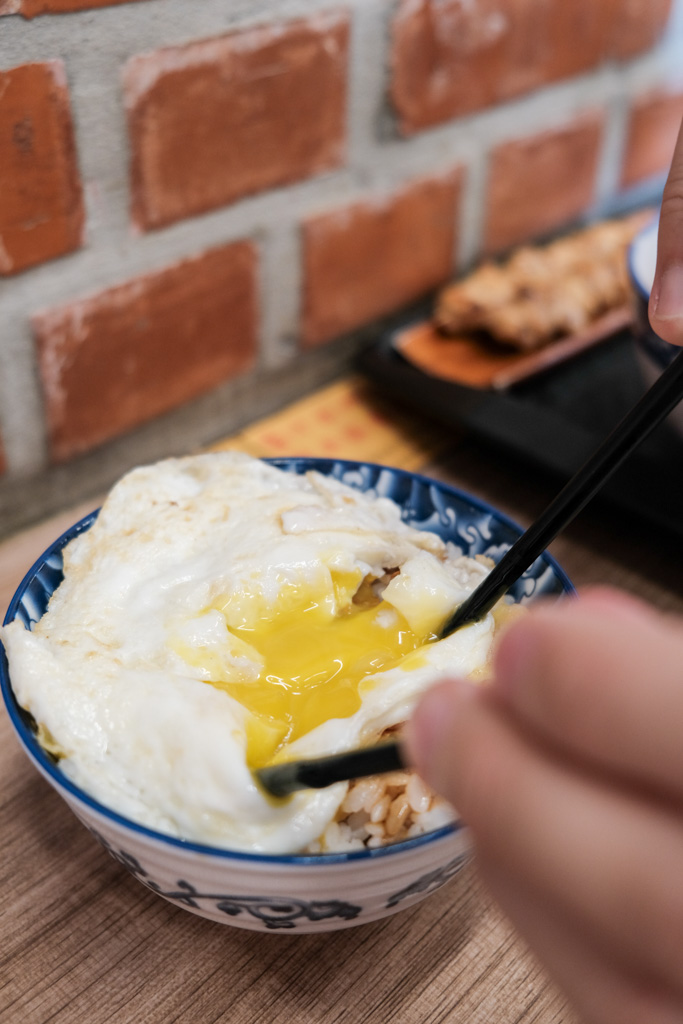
[82, 942]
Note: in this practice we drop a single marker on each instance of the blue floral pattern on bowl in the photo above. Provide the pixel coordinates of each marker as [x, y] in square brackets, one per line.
[300, 893]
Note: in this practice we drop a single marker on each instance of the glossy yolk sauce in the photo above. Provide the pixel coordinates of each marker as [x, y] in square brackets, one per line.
[316, 645]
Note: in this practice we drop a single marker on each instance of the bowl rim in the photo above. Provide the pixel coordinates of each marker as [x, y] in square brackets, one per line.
[62, 782]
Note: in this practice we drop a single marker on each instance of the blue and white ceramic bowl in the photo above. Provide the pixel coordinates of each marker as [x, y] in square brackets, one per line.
[653, 353]
[288, 893]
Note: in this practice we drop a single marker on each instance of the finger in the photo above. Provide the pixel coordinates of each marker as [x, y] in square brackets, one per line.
[666, 299]
[608, 859]
[597, 987]
[599, 678]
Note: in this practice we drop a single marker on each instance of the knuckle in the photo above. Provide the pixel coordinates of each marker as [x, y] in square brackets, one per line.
[488, 793]
[672, 198]
[663, 929]
[651, 916]
[631, 1002]
[557, 695]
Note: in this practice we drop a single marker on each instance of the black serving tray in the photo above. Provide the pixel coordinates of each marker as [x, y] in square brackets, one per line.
[554, 420]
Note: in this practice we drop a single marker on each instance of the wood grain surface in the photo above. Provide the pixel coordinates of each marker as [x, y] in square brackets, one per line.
[82, 942]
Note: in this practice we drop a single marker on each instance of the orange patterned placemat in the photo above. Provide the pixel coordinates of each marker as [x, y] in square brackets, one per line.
[341, 421]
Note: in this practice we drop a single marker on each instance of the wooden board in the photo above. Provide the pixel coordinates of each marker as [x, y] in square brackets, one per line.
[467, 360]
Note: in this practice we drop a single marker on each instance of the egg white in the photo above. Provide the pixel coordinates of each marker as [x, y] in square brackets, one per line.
[139, 727]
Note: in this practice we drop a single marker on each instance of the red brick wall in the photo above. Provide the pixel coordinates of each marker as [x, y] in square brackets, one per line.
[41, 208]
[29, 8]
[116, 359]
[209, 201]
[541, 182]
[219, 119]
[653, 126]
[450, 58]
[367, 259]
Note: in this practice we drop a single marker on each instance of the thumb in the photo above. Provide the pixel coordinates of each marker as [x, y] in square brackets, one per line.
[442, 726]
[666, 299]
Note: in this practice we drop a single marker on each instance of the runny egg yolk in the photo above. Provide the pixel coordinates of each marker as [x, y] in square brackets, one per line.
[316, 648]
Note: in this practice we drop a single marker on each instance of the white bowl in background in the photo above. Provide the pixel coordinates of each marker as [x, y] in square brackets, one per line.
[653, 353]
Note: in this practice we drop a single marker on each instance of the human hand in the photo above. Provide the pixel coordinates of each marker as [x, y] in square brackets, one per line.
[568, 770]
[666, 298]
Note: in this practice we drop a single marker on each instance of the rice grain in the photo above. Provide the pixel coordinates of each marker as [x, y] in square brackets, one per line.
[398, 812]
[418, 794]
[381, 809]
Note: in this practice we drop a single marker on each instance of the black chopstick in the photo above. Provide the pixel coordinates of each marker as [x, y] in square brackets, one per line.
[283, 779]
[648, 413]
[316, 773]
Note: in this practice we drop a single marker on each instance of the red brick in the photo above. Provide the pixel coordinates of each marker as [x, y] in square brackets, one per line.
[445, 60]
[637, 25]
[547, 42]
[41, 205]
[653, 127]
[222, 118]
[29, 8]
[540, 183]
[451, 58]
[113, 360]
[368, 259]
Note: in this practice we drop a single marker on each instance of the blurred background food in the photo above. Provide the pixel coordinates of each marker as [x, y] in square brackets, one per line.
[205, 210]
[543, 292]
[509, 320]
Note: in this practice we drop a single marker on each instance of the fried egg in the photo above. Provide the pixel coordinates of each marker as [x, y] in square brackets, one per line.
[222, 614]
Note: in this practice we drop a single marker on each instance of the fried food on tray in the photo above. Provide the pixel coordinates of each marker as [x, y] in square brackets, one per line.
[543, 292]
[464, 306]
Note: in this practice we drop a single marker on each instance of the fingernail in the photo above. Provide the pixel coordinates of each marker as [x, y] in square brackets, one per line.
[669, 299]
